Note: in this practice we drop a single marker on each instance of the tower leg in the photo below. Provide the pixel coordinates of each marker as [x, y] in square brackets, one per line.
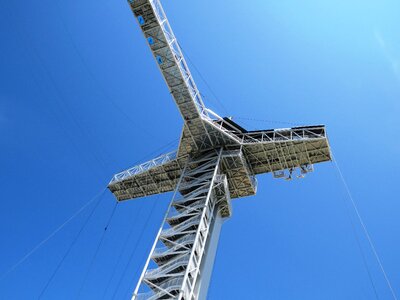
[180, 263]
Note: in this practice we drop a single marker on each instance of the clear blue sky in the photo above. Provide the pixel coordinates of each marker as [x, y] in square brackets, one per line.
[81, 98]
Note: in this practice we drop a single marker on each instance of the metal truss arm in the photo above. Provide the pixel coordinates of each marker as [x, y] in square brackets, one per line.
[156, 176]
[169, 57]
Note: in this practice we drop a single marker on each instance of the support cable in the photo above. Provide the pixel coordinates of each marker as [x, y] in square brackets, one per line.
[166, 146]
[128, 292]
[269, 121]
[68, 250]
[122, 251]
[50, 236]
[363, 255]
[97, 251]
[354, 205]
[134, 250]
[204, 80]
[94, 79]
[64, 108]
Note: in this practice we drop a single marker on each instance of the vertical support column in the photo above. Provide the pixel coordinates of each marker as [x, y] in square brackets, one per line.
[180, 263]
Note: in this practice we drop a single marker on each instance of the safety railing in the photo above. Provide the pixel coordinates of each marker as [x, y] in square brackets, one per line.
[177, 54]
[163, 159]
[168, 286]
[169, 266]
[181, 226]
[178, 244]
[285, 134]
[190, 209]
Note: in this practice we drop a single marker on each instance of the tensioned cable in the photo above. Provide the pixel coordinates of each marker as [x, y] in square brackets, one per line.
[145, 254]
[94, 79]
[364, 227]
[97, 250]
[157, 150]
[134, 249]
[358, 241]
[123, 250]
[69, 250]
[141, 160]
[18, 263]
[96, 157]
[269, 121]
[51, 235]
[74, 241]
[203, 79]
[143, 258]
[23, 35]
[63, 105]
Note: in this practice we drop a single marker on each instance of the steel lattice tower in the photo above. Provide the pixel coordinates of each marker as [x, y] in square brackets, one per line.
[217, 160]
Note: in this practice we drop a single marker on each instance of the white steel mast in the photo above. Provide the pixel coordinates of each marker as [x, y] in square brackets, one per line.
[217, 160]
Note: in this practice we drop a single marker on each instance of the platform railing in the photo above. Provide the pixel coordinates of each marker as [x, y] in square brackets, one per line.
[158, 161]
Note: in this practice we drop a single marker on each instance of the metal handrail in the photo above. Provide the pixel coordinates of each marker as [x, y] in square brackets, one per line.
[168, 266]
[158, 161]
[188, 210]
[167, 286]
[182, 225]
[178, 55]
[165, 250]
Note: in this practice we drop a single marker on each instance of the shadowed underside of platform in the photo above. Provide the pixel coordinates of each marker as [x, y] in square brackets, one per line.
[259, 152]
